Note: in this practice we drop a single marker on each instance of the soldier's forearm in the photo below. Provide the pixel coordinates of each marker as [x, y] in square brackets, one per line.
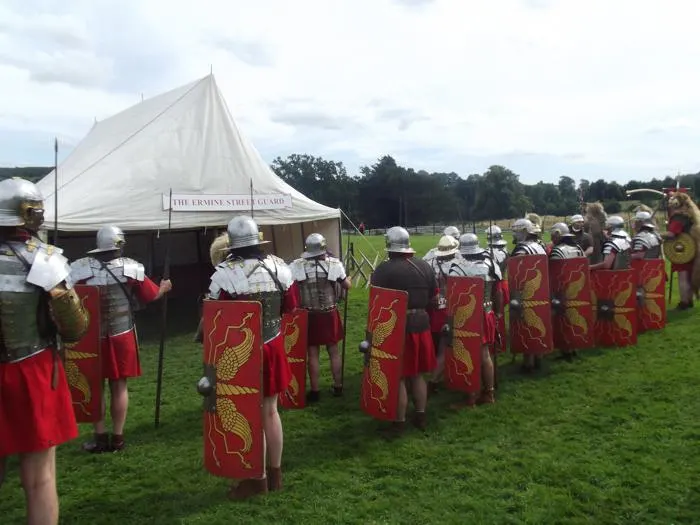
[70, 316]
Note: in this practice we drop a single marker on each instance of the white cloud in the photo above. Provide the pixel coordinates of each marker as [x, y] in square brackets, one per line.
[591, 89]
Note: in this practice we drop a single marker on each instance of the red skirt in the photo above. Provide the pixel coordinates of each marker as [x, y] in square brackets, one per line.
[419, 354]
[325, 328]
[488, 337]
[685, 267]
[276, 370]
[438, 318]
[503, 287]
[120, 356]
[33, 417]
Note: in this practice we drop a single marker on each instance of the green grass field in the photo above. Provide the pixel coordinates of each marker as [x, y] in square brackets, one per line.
[612, 438]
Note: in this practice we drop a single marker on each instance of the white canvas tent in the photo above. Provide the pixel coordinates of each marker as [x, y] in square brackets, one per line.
[187, 141]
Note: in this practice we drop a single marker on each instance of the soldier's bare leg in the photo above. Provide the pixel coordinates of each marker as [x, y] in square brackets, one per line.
[118, 409]
[100, 442]
[685, 289]
[38, 475]
[336, 365]
[274, 439]
[3, 470]
[486, 376]
[314, 367]
[419, 389]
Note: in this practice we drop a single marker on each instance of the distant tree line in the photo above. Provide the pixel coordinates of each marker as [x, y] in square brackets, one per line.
[386, 194]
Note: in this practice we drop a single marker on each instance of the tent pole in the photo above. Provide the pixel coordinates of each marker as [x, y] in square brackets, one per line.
[274, 240]
[55, 192]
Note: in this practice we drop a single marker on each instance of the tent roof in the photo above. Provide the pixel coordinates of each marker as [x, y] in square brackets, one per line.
[184, 139]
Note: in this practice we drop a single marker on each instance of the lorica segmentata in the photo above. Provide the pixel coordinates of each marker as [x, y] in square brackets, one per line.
[482, 267]
[318, 282]
[649, 242]
[251, 279]
[621, 247]
[566, 251]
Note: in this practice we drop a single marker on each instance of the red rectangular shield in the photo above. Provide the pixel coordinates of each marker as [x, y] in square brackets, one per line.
[465, 314]
[233, 389]
[530, 311]
[82, 363]
[385, 338]
[615, 307]
[651, 299]
[572, 310]
[295, 333]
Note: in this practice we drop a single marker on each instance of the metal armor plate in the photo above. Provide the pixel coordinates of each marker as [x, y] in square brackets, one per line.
[565, 251]
[572, 310]
[465, 311]
[681, 249]
[441, 268]
[83, 364]
[614, 307]
[317, 282]
[20, 306]
[622, 249]
[232, 387]
[383, 349]
[651, 301]
[530, 311]
[649, 242]
[295, 331]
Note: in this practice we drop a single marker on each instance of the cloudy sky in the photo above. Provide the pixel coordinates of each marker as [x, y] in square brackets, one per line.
[589, 89]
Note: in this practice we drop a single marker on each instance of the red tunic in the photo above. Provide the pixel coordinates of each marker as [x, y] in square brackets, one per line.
[325, 328]
[676, 227]
[34, 416]
[120, 353]
[276, 370]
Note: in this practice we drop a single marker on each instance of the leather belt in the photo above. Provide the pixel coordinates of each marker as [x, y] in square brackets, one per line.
[415, 310]
[327, 309]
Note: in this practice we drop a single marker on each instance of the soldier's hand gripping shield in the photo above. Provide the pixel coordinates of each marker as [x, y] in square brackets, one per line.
[295, 333]
[530, 310]
[614, 307]
[383, 349]
[83, 363]
[572, 309]
[651, 287]
[465, 321]
[232, 388]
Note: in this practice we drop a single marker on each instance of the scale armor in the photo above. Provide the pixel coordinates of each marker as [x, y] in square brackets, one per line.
[248, 279]
[566, 251]
[25, 324]
[650, 242]
[481, 266]
[529, 247]
[318, 282]
[621, 246]
[116, 308]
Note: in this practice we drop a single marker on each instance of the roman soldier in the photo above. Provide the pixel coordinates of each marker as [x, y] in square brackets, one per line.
[617, 247]
[477, 262]
[537, 225]
[452, 231]
[447, 249]
[684, 217]
[646, 244]
[321, 279]
[124, 288]
[526, 240]
[497, 247]
[402, 271]
[247, 274]
[38, 303]
[564, 243]
[581, 237]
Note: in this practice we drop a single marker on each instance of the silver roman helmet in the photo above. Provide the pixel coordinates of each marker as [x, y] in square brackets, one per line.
[494, 236]
[616, 226]
[447, 245]
[521, 229]
[243, 231]
[558, 231]
[21, 204]
[452, 231]
[398, 240]
[109, 238]
[314, 246]
[469, 244]
[576, 222]
[643, 218]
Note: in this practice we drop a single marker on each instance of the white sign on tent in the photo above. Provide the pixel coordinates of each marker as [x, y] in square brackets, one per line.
[194, 202]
